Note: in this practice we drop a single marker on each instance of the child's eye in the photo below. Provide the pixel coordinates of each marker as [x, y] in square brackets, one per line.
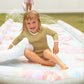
[34, 22]
[28, 23]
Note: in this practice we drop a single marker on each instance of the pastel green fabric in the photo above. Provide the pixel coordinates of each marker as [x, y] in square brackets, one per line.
[39, 41]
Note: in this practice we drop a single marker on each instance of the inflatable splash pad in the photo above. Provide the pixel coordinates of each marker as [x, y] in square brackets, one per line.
[14, 67]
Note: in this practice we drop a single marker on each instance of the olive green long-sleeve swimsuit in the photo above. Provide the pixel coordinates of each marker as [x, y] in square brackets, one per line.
[39, 41]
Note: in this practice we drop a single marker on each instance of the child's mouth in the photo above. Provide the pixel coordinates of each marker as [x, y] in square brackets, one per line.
[32, 28]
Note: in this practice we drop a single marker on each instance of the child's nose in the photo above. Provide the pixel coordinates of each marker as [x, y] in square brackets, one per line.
[31, 25]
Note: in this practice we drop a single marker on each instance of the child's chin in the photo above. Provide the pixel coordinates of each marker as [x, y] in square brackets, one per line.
[33, 31]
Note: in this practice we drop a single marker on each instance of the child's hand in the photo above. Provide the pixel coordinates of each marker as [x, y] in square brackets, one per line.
[55, 49]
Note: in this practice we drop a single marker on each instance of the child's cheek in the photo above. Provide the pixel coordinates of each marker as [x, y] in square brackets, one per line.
[28, 26]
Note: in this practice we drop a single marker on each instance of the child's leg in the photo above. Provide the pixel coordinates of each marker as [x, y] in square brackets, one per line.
[30, 6]
[51, 56]
[26, 6]
[35, 58]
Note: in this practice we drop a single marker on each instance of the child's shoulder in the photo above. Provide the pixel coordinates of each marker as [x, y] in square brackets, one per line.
[43, 28]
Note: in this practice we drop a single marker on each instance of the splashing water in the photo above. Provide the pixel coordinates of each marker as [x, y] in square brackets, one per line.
[18, 17]
[45, 19]
[15, 15]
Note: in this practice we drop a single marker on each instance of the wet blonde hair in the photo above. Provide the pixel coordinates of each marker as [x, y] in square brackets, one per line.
[32, 14]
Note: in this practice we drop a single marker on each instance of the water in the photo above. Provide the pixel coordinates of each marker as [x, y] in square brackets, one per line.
[18, 17]
[15, 15]
[45, 19]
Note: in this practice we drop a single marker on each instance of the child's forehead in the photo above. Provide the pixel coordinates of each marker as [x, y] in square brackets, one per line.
[30, 20]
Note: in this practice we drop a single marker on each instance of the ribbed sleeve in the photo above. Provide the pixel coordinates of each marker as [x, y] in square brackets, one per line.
[52, 33]
[18, 39]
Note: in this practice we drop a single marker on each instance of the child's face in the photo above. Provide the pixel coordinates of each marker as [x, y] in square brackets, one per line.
[32, 25]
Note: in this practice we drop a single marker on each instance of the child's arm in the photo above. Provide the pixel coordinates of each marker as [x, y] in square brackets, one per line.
[55, 38]
[55, 48]
[16, 40]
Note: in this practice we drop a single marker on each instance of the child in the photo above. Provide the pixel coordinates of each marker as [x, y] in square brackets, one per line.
[28, 4]
[36, 35]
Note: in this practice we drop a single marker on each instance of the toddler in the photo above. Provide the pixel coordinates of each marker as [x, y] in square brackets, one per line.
[28, 4]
